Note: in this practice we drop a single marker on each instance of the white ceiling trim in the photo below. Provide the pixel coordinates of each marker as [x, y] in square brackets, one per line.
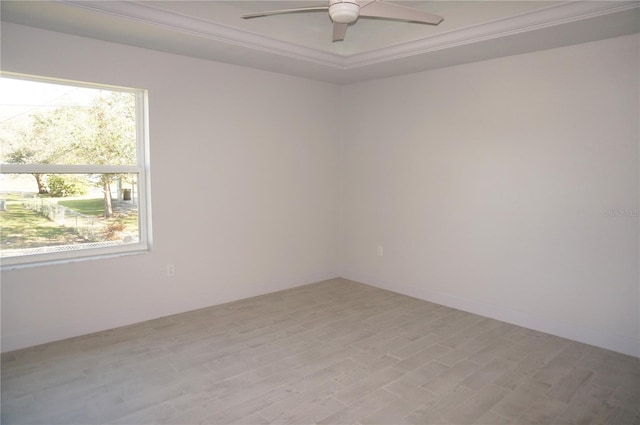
[542, 18]
[149, 15]
[529, 21]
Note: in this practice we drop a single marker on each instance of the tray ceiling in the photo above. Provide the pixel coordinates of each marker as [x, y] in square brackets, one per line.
[300, 44]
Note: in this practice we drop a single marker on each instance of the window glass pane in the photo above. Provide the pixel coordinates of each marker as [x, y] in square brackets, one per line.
[73, 174]
[67, 212]
[44, 123]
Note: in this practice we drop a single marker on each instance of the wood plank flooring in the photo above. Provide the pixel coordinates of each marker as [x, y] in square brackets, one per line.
[334, 352]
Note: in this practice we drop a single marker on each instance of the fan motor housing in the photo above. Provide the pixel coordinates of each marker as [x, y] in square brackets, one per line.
[344, 12]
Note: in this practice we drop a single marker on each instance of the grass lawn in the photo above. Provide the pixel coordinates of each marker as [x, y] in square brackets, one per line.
[93, 206]
[23, 228]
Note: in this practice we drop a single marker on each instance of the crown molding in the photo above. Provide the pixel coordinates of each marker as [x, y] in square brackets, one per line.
[543, 18]
[529, 21]
[149, 15]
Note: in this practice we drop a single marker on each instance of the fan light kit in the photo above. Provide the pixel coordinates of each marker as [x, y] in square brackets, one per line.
[343, 12]
[346, 12]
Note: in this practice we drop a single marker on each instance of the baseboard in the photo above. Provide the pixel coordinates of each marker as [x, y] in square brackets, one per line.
[618, 343]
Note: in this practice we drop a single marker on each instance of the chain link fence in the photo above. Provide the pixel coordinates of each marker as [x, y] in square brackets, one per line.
[84, 225]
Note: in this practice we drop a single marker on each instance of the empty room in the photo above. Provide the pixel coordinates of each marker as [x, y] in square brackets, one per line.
[320, 212]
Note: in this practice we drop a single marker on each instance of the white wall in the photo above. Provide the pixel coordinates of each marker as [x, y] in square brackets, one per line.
[244, 182]
[489, 186]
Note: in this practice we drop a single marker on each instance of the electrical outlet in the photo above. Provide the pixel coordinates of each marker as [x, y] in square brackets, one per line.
[171, 270]
[380, 250]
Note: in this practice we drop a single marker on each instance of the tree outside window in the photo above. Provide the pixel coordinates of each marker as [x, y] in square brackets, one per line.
[73, 174]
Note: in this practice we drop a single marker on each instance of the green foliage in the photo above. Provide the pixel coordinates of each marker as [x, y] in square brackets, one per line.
[22, 155]
[110, 130]
[103, 133]
[62, 186]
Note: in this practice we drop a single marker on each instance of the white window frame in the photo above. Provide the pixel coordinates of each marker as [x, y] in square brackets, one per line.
[141, 168]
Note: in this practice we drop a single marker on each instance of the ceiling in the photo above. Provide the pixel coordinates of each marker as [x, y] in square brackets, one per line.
[300, 44]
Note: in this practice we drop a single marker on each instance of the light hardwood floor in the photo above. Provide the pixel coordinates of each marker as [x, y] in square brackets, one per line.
[333, 352]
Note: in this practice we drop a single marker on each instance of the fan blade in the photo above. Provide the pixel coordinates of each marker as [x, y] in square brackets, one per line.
[283, 11]
[339, 31]
[378, 9]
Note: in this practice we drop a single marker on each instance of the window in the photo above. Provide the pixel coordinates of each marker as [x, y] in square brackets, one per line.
[73, 173]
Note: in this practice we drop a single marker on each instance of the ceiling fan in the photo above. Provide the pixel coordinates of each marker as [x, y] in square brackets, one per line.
[346, 12]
